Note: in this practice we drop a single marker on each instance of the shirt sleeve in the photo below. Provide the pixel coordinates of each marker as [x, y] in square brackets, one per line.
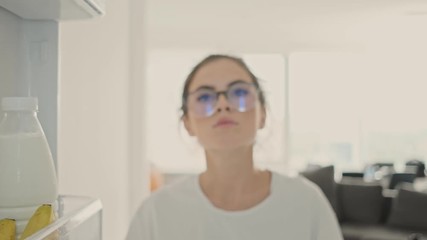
[143, 223]
[325, 223]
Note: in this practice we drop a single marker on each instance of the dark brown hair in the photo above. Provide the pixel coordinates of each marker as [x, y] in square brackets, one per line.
[212, 58]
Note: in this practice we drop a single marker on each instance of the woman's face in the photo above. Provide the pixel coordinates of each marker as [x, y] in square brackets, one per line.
[226, 127]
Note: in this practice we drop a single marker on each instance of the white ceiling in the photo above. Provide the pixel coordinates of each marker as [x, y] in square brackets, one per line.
[287, 25]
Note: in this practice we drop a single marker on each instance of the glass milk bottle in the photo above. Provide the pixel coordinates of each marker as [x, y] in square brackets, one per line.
[27, 173]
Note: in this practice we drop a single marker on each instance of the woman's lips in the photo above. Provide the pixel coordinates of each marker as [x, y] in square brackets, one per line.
[225, 122]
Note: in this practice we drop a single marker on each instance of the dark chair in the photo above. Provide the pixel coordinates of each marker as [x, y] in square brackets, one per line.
[397, 178]
[416, 166]
[379, 170]
[353, 174]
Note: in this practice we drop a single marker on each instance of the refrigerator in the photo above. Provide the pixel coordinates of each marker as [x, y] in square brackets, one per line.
[30, 66]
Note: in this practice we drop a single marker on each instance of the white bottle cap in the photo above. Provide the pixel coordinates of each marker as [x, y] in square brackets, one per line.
[19, 104]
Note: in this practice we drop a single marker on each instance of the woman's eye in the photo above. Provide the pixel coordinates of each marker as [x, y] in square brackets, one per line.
[240, 92]
[204, 98]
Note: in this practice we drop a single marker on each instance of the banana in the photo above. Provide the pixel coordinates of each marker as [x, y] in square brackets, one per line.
[7, 229]
[42, 217]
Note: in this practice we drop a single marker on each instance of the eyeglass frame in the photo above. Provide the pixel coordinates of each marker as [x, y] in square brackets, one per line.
[219, 93]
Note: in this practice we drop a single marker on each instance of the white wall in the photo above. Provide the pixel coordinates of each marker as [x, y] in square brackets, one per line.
[283, 26]
[100, 117]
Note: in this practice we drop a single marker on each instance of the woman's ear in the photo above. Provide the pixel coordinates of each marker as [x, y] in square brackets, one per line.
[187, 125]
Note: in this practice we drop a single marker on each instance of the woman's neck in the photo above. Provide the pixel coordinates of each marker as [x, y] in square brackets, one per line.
[233, 163]
[231, 177]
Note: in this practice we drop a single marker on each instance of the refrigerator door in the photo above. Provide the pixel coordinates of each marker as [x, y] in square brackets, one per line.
[55, 9]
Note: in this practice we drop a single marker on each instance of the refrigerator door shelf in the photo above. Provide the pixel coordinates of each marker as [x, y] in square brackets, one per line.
[79, 218]
[55, 9]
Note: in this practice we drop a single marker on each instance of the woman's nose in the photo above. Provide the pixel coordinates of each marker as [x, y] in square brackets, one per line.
[222, 103]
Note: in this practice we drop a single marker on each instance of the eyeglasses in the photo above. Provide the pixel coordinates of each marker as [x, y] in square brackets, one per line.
[240, 96]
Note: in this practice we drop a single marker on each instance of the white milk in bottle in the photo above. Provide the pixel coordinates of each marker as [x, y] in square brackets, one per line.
[27, 173]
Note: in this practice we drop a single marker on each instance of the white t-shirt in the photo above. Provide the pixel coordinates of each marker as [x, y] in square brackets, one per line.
[296, 209]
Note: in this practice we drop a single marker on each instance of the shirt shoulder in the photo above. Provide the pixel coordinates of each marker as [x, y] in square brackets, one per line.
[169, 199]
[181, 191]
[297, 186]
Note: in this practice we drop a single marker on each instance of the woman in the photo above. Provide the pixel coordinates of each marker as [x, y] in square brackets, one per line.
[223, 107]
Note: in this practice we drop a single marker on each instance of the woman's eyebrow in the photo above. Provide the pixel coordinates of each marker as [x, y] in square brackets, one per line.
[209, 87]
[236, 81]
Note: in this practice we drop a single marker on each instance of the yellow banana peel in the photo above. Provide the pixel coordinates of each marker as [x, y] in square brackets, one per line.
[7, 229]
[42, 217]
